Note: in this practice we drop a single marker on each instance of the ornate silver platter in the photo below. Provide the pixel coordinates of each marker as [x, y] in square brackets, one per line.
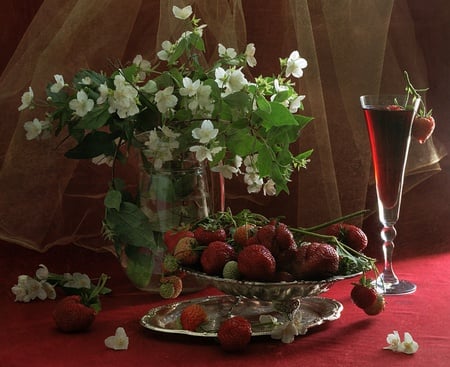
[165, 319]
[268, 291]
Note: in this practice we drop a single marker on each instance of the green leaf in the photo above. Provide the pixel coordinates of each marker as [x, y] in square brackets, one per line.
[92, 145]
[113, 199]
[243, 143]
[238, 100]
[139, 266]
[130, 225]
[263, 104]
[95, 119]
[279, 116]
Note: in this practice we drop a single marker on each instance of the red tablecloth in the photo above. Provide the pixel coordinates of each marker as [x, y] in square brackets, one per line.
[28, 336]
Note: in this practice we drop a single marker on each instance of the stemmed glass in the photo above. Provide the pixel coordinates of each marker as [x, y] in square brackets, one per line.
[389, 120]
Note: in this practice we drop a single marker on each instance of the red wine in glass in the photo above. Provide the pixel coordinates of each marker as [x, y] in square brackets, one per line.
[389, 120]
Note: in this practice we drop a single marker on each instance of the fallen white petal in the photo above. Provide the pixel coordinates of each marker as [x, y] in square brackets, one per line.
[119, 341]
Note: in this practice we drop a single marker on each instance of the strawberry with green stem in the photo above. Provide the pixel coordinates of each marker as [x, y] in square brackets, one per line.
[424, 123]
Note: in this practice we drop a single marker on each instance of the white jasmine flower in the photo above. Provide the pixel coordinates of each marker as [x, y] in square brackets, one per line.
[49, 290]
[27, 99]
[42, 272]
[231, 80]
[103, 159]
[124, 98]
[295, 104]
[226, 170]
[250, 55]
[143, 64]
[78, 281]
[286, 332]
[183, 13]
[104, 92]
[35, 128]
[295, 65]
[21, 293]
[269, 188]
[394, 341]
[164, 54]
[86, 81]
[165, 99]
[409, 346]
[118, 341]
[150, 87]
[190, 88]
[35, 289]
[226, 52]
[205, 133]
[55, 88]
[82, 105]
[202, 152]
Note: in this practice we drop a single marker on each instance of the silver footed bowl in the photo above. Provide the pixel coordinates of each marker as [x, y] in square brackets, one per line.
[268, 291]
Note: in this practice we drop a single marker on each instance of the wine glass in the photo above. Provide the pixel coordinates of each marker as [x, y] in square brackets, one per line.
[389, 120]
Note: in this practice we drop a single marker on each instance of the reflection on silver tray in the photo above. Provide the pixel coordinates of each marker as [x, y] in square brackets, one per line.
[165, 319]
[268, 291]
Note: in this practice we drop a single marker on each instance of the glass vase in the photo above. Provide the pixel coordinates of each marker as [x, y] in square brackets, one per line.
[170, 198]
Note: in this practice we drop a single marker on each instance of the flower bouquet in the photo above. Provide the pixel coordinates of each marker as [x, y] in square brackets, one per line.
[177, 113]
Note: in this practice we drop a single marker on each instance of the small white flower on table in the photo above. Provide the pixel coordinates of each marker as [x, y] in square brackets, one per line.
[118, 341]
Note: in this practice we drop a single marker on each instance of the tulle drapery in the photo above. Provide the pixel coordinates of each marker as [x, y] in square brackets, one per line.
[352, 48]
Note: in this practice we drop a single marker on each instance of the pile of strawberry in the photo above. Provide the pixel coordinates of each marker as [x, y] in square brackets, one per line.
[250, 247]
[234, 332]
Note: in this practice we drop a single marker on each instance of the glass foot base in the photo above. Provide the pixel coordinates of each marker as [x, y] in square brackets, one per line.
[402, 287]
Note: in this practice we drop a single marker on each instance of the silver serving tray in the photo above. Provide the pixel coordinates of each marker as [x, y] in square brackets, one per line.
[268, 291]
[165, 319]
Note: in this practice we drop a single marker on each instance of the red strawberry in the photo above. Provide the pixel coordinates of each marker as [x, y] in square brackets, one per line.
[193, 316]
[243, 233]
[205, 236]
[234, 334]
[423, 127]
[266, 237]
[394, 107]
[185, 252]
[349, 234]
[284, 237]
[363, 296]
[377, 307]
[215, 256]
[172, 237]
[170, 287]
[256, 262]
[315, 261]
[71, 315]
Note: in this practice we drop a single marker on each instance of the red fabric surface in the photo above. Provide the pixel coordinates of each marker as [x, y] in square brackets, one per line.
[28, 336]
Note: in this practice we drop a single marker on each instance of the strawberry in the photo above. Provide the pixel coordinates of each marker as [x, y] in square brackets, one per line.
[71, 315]
[205, 236]
[170, 287]
[243, 233]
[394, 107]
[171, 238]
[234, 334]
[377, 307]
[266, 237]
[423, 127]
[185, 251]
[215, 256]
[256, 262]
[365, 296]
[284, 237]
[231, 270]
[315, 261]
[349, 234]
[193, 316]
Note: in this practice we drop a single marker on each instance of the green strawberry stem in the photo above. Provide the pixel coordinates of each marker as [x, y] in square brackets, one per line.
[410, 90]
[337, 220]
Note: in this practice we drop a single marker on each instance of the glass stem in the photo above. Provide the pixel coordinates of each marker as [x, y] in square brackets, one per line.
[388, 234]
